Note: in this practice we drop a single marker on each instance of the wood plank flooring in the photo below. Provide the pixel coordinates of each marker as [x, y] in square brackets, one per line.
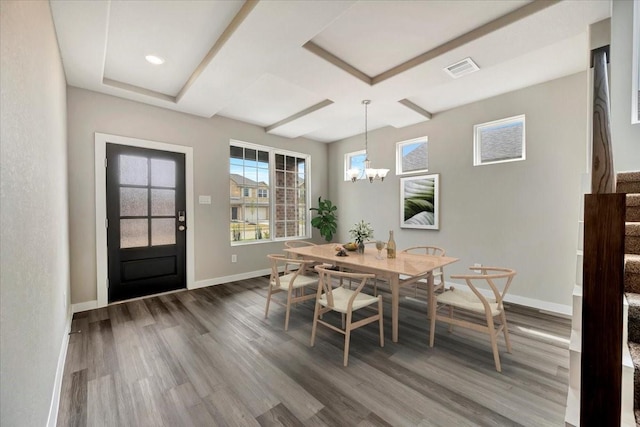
[209, 358]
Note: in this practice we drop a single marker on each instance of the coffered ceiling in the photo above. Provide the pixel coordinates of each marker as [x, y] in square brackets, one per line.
[302, 68]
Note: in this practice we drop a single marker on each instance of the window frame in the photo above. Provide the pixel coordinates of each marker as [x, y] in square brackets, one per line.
[400, 145]
[271, 197]
[477, 140]
[635, 65]
[347, 164]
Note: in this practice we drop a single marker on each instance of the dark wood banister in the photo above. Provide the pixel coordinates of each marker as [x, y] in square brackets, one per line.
[603, 270]
[602, 173]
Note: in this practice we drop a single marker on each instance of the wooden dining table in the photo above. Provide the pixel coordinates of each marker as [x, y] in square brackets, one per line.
[405, 269]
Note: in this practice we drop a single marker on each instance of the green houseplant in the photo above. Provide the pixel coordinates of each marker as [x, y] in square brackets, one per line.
[326, 219]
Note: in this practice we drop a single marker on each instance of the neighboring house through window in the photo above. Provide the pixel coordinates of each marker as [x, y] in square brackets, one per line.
[268, 193]
[412, 156]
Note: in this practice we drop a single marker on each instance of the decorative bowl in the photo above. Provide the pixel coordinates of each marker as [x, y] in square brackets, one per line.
[351, 246]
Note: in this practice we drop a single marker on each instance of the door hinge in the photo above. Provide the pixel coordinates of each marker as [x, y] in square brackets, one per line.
[105, 162]
[106, 223]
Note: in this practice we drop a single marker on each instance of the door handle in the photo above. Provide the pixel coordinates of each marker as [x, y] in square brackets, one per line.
[181, 216]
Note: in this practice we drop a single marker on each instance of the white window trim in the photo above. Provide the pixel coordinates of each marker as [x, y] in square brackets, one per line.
[400, 145]
[347, 163]
[477, 153]
[272, 179]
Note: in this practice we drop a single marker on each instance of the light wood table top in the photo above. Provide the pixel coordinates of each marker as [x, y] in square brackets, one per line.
[413, 266]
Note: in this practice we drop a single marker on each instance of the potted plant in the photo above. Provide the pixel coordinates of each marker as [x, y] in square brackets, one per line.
[326, 219]
[360, 232]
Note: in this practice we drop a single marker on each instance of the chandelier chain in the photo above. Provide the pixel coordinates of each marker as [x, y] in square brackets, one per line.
[354, 173]
[366, 136]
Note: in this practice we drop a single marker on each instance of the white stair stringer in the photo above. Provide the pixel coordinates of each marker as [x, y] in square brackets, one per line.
[572, 414]
[572, 411]
[628, 418]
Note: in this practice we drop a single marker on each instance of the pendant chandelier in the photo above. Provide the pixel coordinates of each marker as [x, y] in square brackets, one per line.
[369, 172]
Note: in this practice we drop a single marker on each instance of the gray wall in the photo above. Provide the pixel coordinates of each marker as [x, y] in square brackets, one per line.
[91, 112]
[522, 215]
[34, 267]
[625, 136]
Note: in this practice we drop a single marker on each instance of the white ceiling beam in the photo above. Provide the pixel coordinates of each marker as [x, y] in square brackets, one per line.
[299, 114]
[415, 108]
[481, 31]
[235, 23]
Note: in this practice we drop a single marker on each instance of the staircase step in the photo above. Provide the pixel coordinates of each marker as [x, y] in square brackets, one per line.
[628, 182]
[633, 207]
[632, 282]
[633, 319]
[632, 273]
[632, 238]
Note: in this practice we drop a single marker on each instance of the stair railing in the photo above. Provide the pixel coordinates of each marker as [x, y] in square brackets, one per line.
[603, 269]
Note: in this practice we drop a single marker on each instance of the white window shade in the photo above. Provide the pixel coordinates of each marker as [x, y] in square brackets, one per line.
[499, 141]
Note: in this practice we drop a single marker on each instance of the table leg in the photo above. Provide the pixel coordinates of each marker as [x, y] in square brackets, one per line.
[430, 301]
[395, 298]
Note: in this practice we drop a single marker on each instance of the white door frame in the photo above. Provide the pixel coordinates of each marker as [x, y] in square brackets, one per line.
[101, 140]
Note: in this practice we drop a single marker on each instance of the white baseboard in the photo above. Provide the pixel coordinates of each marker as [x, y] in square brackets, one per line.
[544, 306]
[90, 305]
[84, 306]
[57, 385]
[226, 279]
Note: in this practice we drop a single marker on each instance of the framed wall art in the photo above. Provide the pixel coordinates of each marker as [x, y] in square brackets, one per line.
[419, 199]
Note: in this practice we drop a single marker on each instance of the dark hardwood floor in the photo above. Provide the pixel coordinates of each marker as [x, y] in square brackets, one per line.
[209, 358]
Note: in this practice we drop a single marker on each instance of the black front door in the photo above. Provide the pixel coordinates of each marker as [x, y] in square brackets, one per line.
[146, 225]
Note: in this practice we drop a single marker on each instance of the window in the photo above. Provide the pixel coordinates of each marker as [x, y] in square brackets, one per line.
[354, 160]
[412, 156]
[268, 193]
[499, 141]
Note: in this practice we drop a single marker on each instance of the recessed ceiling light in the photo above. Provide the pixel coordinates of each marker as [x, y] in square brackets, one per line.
[155, 60]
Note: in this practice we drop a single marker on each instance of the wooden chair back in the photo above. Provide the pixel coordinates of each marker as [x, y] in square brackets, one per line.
[499, 280]
[426, 250]
[329, 277]
[345, 301]
[288, 275]
[429, 250]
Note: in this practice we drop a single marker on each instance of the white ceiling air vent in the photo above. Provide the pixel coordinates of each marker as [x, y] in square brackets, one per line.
[460, 68]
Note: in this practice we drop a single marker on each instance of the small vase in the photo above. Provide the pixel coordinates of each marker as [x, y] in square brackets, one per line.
[360, 247]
